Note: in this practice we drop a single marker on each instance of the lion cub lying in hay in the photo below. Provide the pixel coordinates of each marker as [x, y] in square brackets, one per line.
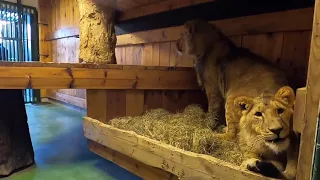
[266, 137]
[230, 75]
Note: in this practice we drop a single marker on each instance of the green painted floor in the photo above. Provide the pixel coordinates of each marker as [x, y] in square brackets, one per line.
[60, 148]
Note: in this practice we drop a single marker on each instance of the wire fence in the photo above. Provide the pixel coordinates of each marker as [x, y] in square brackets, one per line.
[19, 38]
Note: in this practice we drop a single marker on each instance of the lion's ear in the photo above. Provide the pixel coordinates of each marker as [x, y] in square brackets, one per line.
[190, 27]
[245, 103]
[286, 94]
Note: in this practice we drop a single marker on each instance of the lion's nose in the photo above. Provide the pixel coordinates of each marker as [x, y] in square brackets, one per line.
[276, 131]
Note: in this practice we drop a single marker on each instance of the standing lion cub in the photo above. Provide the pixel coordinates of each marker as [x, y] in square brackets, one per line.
[226, 71]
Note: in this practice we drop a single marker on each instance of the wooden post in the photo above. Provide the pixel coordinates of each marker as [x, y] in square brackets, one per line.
[16, 151]
[308, 142]
[97, 34]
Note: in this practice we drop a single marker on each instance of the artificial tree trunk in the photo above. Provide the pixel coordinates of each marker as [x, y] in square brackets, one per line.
[97, 34]
[16, 151]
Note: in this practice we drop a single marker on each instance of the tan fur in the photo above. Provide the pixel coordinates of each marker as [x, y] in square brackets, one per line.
[198, 40]
[261, 119]
[226, 72]
[229, 74]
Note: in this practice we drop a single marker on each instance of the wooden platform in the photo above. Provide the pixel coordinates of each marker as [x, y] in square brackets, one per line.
[184, 164]
[24, 75]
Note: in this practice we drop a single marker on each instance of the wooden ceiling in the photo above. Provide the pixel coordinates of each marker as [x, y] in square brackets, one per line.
[123, 5]
[130, 9]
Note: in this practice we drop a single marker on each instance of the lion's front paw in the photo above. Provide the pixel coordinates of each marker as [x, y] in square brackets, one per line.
[263, 167]
[251, 165]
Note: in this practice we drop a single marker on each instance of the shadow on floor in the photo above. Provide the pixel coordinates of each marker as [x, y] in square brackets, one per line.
[61, 151]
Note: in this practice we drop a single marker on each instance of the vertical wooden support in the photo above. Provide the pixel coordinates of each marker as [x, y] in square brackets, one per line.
[308, 142]
[97, 34]
[45, 12]
[299, 110]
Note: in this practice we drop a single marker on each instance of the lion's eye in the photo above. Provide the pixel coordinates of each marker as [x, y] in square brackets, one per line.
[280, 111]
[243, 107]
[258, 114]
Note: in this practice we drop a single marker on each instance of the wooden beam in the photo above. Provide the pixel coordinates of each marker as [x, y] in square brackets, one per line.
[142, 170]
[264, 23]
[299, 109]
[63, 33]
[82, 76]
[162, 6]
[184, 164]
[308, 136]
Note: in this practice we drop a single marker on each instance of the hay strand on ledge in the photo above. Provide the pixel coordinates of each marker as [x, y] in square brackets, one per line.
[188, 130]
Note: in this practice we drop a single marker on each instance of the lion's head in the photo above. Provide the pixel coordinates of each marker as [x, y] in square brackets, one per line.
[266, 120]
[197, 37]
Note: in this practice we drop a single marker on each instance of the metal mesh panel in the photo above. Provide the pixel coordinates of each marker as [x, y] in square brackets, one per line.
[19, 38]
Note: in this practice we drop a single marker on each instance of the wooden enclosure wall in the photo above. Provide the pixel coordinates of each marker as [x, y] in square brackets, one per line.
[281, 41]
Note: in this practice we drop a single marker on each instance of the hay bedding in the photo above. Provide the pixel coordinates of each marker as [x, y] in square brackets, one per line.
[188, 130]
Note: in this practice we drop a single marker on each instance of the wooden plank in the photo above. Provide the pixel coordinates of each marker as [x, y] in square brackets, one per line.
[134, 102]
[295, 57]
[76, 101]
[174, 101]
[76, 15]
[97, 104]
[147, 55]
[94, 78]
[184, 164]
[165, 49]
[121, 55]
[173, 54]
[308, 136]
[161, 6]
[136, 167]
[106, 104]
[299, 109]
[155, 54]
[137, 54]
[237, 40]
[268, 46]
[129, 55]
[153, 100]
[256, 24]
[63, 33]
[116, 104]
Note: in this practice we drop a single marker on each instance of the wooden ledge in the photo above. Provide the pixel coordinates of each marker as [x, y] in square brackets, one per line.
[22, 75]
[184, 164]
[92, 66]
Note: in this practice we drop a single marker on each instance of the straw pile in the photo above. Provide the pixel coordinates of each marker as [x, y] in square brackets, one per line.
[189, 130]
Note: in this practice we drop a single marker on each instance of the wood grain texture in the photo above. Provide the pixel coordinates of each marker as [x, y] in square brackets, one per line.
[63, 33]
[136, 167]
[268, 46]
[154, 153]
[134, 102]
[307, 146]
[174, 101]
[295, 57]
[130, 77]
[299, 109]
[164, 51]
[158, 7]
[257, 24]
[153, 99]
